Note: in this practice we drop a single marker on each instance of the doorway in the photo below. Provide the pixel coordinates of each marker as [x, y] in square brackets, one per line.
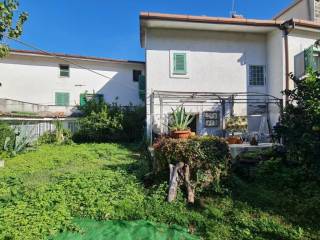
[193, 124]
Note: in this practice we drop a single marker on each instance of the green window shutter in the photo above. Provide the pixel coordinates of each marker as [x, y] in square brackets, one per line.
[62, 99]
[83, 99]
[180, 63]
[142, 87]
[308, 58]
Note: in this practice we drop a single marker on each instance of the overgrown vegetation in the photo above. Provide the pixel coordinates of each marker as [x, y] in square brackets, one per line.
[300, 124]
[42, 191]
[201, 162]
[104, 122]
[5, 132]
[60, 135]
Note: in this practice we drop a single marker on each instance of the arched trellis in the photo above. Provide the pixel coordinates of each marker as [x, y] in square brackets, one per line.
[160, 99]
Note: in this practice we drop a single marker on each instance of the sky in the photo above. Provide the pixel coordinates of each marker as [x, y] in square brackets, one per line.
[110, 28]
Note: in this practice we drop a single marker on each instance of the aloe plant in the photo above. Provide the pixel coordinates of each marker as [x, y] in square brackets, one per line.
[181, 119]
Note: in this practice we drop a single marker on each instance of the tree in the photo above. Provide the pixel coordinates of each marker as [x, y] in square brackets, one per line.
[8, 26]
[300, 124]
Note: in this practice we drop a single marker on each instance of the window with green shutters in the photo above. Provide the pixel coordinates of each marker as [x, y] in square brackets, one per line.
[85, 97]
[62, 99]
[312, 58]
[180, 63]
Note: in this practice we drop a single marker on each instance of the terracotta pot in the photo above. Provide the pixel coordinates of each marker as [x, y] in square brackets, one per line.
[181, 134]
[234, 140]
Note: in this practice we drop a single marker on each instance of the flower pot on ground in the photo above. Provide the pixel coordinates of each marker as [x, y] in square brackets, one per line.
[179, 126]
[234, 140]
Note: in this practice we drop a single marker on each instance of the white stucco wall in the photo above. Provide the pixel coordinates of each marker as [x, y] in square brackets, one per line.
[217, 62]
[298, 41]
[35, 79]
[303, 10]
[276, 71]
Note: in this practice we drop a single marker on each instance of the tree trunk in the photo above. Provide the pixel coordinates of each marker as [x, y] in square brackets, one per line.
[190, 190]
[174, 177]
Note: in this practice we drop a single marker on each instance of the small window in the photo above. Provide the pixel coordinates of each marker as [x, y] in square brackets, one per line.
[212, 119]
[62, 99]
[180, 63]
[64, 71]
[136, 75]
[256, 75]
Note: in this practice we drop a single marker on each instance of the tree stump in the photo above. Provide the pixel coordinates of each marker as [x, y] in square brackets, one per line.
[174, 178]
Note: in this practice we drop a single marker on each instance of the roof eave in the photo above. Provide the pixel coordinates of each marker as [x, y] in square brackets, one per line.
[69, 56]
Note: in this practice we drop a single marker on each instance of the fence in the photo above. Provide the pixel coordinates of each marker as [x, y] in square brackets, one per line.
[37, 127]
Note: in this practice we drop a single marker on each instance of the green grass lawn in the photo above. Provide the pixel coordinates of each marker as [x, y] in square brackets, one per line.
[54, 191]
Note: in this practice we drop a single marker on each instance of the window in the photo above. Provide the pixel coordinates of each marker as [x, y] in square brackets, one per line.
[179, 63]
[62, 99]
[64, 71]
[212, 119]
[256, 75]
[136, 75]
[85, 97]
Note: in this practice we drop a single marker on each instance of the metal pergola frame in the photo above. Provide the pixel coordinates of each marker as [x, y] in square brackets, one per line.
[209, 99]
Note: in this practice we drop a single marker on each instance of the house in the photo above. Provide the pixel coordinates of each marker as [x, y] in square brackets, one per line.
[61, 80]
[37, 87]
[215, 67]
[301, 9]
[221, 67]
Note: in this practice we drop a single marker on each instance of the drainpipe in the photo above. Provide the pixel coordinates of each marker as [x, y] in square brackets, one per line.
[287, 27]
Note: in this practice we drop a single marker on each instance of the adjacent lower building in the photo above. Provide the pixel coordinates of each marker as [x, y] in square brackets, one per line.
[64, 80]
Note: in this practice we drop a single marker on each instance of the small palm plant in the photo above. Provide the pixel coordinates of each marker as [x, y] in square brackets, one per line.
[181, 119]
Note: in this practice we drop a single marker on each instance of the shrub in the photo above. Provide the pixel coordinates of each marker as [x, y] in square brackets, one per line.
[103, 122]
[207, 157]
[300, 124]
[60, 135]
[6, 132]
[51, 137]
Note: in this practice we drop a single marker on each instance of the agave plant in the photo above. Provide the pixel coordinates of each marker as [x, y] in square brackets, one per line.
[181, 119]
[22, 140]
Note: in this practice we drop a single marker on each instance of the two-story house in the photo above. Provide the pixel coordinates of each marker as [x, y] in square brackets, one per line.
[219, 67]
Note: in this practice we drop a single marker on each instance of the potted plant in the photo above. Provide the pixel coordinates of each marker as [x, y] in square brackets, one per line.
[236, 124]
[180, 122]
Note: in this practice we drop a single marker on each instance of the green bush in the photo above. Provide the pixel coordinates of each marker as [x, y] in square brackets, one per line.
[208, 158]
[51, 137]
[6, 132]
[103, 122]
[300, 124]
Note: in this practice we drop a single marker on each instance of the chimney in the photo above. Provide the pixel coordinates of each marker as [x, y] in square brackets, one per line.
[234, 15]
